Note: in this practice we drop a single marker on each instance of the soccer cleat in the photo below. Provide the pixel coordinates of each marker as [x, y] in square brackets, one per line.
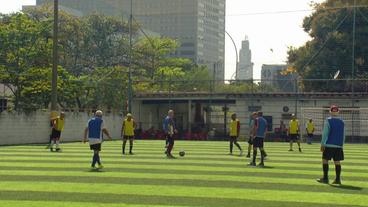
[261, 164]
[93, 168]
[131, 153]
[252, 164]
[58, 150]
[100, 166]
[336, 182]
[51, 149]
[230, 153]
[322, 180]
[170, 156]
[290, 150]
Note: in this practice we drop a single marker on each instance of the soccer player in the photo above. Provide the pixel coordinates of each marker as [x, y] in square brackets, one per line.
[94, 130]
[251, 127]
[127, 132]
[57, 128]
[309, 127]
[333, 139]
[169, 128]
[260, 130]
[234, 134]
[293, 132]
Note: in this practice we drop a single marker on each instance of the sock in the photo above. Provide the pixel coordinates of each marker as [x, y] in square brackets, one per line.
[231, 147]
[169, 148]
[52, 144]
[254, 155]
[124, 143]
[338, 172]
[131, 148]
[98, 159]
[325, 171]
[262, 155]
[94, 160]
[237, 144]
[57, 144]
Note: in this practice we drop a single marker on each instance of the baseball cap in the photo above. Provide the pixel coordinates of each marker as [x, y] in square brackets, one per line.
[129, 114]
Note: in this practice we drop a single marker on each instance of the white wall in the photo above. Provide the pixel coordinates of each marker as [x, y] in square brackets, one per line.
[20, 128]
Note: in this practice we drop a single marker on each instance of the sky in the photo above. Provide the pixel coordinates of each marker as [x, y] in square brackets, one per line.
[270, 25]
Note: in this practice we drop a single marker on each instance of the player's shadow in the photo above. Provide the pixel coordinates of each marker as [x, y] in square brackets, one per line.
[347, 187]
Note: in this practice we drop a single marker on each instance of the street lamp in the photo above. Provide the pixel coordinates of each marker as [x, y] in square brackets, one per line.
[237, 56]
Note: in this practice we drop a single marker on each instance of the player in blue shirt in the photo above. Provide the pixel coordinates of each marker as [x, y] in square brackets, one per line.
[333, 139]
[259, 130]
[94, 130]
[169, 128]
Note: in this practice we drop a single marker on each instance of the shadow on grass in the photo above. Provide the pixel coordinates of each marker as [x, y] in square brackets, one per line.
[347, 187]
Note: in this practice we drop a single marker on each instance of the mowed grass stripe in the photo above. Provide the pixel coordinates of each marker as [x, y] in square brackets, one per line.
[183, 191]
[159, 172]
[260, 183]
[191, 155]
[155, 157]
[31, 199]
[171, 166]
[183, 162]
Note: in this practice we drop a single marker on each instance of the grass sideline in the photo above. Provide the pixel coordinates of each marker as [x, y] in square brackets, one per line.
[206, 176]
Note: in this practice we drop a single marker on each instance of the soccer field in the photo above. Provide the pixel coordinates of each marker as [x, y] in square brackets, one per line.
[206, 176]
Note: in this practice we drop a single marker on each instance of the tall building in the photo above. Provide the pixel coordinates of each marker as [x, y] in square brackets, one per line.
[245, 67]
[271, 76]
[199, 25]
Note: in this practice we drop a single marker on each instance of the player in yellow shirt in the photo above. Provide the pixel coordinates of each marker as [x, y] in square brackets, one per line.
[57, 128]
[293, 132]
[127, 132]
[309, 127]
[234, 133]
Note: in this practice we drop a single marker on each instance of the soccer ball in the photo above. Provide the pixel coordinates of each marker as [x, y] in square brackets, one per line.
[182, 153]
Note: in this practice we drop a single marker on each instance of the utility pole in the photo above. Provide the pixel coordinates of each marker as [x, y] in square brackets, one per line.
[130, 88]
[55, 60]
[353, 49]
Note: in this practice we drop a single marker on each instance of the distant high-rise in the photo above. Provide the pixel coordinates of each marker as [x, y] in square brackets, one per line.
[199, 25]
[272, 76]
[245, 67]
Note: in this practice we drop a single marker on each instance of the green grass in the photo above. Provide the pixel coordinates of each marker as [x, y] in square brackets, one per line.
[206, 176]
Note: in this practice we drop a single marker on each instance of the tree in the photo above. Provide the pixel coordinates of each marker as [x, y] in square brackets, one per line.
[330, 48]
[24, 44]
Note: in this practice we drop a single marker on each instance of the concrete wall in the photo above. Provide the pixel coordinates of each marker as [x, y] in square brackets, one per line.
[19, 128]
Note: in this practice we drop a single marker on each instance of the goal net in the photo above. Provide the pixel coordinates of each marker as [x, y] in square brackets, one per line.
[356, 122]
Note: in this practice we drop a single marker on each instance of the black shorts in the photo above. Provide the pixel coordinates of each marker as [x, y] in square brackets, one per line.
[258, 142]
[128, 137]
[95, 147]
[250, 140]
[310, 135]
[55, 134]
[337, 154]
[233, 138]
[294, 137]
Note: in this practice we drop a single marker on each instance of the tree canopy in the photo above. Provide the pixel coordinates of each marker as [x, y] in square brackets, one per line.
[331, 28]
